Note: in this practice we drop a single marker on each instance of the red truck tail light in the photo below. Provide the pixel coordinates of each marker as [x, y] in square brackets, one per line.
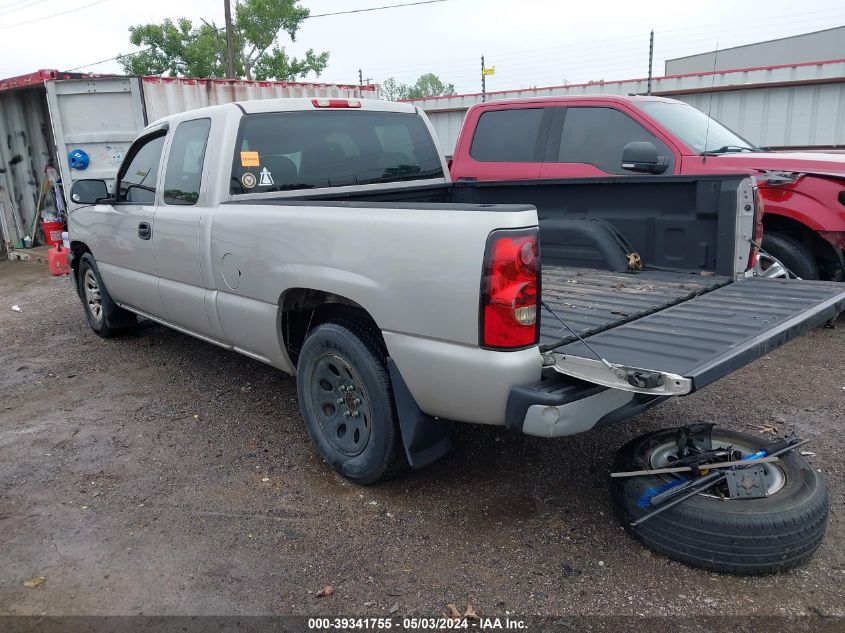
[758, 227]
[336, 103]
[510, 290]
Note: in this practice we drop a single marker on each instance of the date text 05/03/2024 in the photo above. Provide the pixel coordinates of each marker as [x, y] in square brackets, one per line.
[417, 624]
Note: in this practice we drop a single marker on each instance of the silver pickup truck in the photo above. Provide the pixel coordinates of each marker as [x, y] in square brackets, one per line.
[324, 237]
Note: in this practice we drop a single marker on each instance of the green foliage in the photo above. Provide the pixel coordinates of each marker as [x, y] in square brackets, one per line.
[428, 85]
[182, 49]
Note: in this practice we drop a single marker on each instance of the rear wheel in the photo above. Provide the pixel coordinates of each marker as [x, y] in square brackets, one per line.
[738, 536]
[788, 255]
[347, 403]
[104, 316]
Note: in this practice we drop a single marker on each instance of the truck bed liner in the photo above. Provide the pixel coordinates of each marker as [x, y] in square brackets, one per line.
[591, 301]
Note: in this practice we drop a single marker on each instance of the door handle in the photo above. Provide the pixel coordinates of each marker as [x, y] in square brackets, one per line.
[145, 231]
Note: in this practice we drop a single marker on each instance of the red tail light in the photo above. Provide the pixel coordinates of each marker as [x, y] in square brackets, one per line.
[758, 226]
[336, 103]
[510, 290]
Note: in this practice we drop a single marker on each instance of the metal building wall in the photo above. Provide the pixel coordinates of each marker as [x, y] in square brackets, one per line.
[796, 105]
[807, 47]
[782, 117]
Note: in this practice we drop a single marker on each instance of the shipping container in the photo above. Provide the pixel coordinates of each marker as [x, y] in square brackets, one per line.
[47, 114]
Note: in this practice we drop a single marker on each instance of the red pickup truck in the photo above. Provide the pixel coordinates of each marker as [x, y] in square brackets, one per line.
[603, 135]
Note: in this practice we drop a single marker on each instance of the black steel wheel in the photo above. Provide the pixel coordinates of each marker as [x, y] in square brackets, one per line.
[736, 536]
[347, 403]
[342, 404]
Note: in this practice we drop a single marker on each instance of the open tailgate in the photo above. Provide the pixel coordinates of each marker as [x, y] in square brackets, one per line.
[683, 348]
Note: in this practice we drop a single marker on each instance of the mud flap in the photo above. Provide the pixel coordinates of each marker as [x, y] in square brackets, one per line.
[426, 438]
[687, 346]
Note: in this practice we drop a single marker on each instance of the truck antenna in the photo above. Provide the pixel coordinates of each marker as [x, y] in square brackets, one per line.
[710, 104]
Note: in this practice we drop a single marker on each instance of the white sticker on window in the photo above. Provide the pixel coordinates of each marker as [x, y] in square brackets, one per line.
[266, 178]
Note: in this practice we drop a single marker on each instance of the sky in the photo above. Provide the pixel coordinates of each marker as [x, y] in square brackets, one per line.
[530, 42]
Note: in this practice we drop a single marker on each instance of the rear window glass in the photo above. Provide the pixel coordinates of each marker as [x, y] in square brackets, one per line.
[507, 136]
[281, 151]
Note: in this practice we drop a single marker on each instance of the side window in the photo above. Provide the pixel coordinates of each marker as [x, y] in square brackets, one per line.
[596, 136]
[184, 163]
[138, 180]
[507, 136]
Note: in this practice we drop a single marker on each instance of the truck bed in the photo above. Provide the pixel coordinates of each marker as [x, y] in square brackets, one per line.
[592, 301]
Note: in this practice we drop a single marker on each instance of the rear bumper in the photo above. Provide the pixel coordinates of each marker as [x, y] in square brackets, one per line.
[558, 405]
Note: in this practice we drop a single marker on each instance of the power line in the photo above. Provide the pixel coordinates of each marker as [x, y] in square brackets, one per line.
[111, 59]
[32, 4]
[55, 15]
[388, 6]
[12, 4]
[319, 15]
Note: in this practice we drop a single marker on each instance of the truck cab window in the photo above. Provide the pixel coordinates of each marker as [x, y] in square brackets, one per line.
[283, 151]
[138, 179]
[507, 136]
[596, 136]
[184, 164]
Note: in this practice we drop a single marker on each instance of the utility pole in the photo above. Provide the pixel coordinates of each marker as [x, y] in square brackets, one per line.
[483, 81]
[360, 78]
[230, 51]
[650, 59]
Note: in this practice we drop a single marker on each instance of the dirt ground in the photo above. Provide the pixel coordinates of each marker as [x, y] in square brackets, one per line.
[156, 474]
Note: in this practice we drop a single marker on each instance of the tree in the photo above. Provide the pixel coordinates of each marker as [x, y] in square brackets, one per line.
[182, 49]
[428, 85]
[392, 90]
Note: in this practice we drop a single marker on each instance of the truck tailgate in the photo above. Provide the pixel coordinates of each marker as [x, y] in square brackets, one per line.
[710, 336]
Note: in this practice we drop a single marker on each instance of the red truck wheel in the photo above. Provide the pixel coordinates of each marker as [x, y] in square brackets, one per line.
[796, 257]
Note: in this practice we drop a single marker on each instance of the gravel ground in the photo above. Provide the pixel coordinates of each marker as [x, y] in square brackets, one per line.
[156, 474]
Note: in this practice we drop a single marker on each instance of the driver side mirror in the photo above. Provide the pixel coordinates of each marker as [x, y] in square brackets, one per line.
[642, 157]
[88, 191]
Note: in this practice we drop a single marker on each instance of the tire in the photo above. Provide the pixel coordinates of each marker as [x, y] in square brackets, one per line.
[751, 536]
[792, 254]
[365, 448]
[104, 316]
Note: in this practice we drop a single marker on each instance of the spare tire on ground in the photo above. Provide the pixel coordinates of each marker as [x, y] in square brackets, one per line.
[736, 536]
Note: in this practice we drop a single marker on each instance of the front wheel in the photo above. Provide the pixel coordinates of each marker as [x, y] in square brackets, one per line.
[737, 536]
[347, 403]
[787, 257]
[104, 316]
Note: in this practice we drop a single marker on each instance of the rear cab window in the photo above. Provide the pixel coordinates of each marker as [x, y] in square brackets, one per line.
[283, 151]
[509, 136]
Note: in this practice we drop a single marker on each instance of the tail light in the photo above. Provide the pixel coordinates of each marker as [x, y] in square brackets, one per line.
[336, 103]
[758, 227]
[510, 290]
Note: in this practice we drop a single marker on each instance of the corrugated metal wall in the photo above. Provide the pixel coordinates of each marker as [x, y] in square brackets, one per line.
[168, 95]
[800, 105]
[26, 146]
